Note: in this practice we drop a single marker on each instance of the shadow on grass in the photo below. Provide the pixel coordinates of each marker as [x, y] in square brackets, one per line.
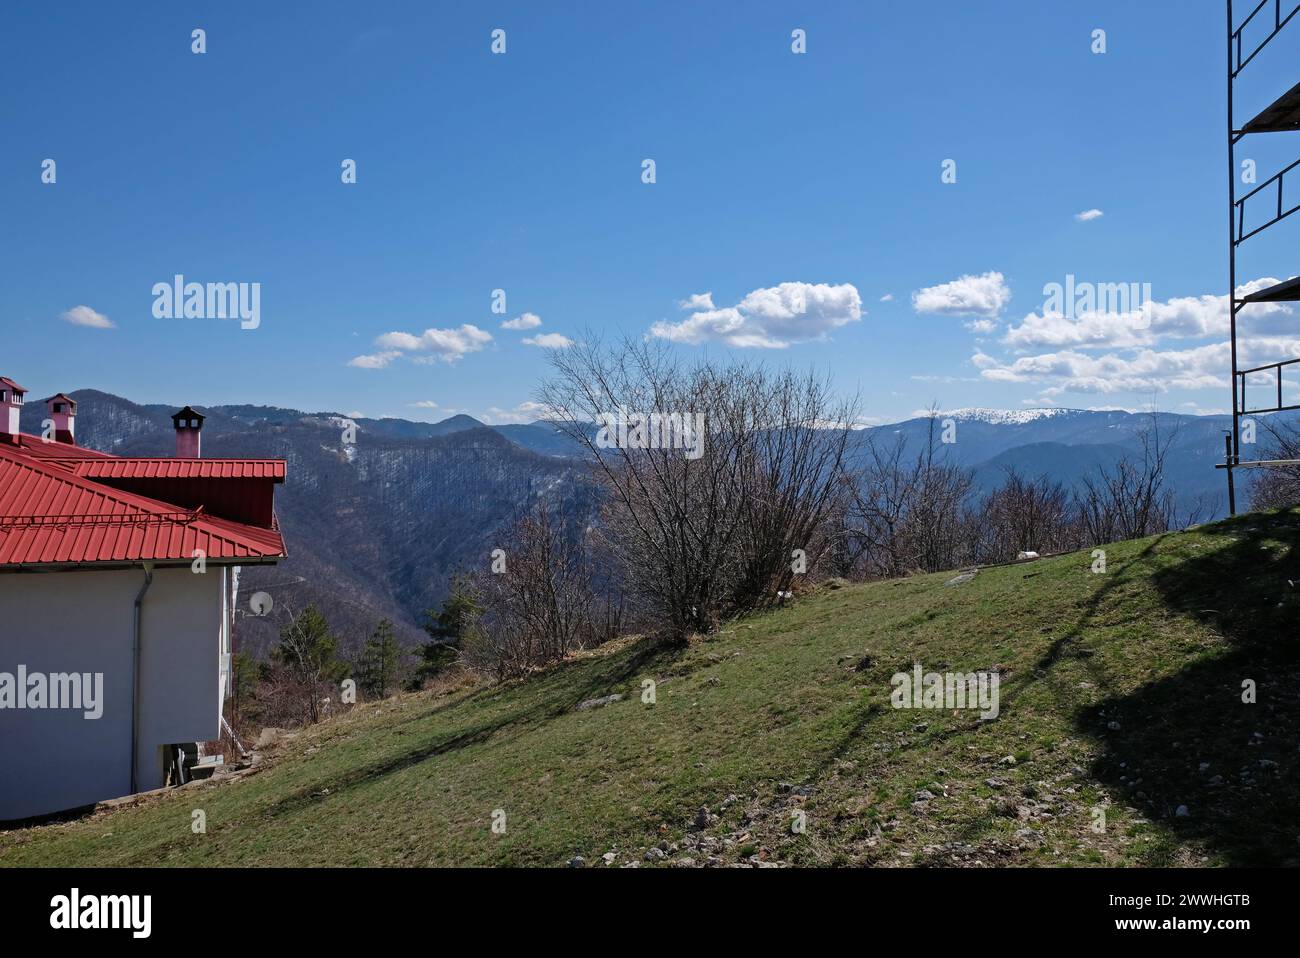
[560, 690]
[1241, 806]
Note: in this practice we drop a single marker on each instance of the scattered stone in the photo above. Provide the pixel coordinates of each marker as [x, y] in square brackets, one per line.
[702, 817]
[924, 795]
[995, 783]
[1182, 812]
[1008, 760]
[268, 737]
[959, 579]
[655, 855]
[577, 861]
[597, 703]
[1113, 725]
[608, 858]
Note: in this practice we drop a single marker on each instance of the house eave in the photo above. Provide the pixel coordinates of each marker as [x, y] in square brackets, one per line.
[13, 569]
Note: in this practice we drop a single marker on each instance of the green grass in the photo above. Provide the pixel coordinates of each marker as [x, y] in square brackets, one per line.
[774, 711]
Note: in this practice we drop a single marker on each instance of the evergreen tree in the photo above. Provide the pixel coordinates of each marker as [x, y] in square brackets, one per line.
[309, 651]
[380, 660]
[446, 627]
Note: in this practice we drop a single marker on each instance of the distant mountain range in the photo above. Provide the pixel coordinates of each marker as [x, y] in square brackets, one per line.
[1066, 444]
[376, 528]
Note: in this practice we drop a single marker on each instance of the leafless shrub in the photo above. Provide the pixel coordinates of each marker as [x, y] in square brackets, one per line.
[1129, 500]
[908, 512]
[1027, 515]
[794, 453]
[1277, 487]
[704, 532]
[541, 607]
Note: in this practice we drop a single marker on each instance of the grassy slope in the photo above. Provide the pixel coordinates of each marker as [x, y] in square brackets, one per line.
[773, 707]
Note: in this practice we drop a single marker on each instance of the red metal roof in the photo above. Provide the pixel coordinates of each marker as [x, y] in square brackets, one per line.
[142, 468]
[38, 448]
[51, 516]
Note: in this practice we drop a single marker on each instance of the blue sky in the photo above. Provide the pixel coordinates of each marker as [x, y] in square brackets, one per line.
[523, 171]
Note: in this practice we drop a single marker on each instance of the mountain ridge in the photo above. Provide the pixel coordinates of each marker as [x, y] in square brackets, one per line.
[415, 502]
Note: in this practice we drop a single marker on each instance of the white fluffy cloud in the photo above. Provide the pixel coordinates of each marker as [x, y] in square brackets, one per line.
[1107, 353]
[548, 341]
[771, 318]
[85, 316]
[523, 321]
[1088, 215]
[433, 345]
[1185, 317]
[985, 295]
[1147, 370]
[525, 412]
[696, 302]
[374, 360]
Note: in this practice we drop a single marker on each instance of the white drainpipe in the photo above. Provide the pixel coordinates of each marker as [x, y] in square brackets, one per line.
[135, 673]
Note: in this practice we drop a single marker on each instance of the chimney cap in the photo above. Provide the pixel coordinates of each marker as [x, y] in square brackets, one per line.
[189, 414]
[11, 385]
[62, 397]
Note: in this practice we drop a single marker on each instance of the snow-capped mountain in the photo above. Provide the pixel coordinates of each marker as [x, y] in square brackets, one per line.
[1004, 417]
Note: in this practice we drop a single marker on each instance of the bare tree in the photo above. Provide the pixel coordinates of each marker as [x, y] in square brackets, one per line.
[1027, 515]
[1278, 487]
[795, 456]
[1129, 499]
[909, 513]
[540, 607]
[707, 526]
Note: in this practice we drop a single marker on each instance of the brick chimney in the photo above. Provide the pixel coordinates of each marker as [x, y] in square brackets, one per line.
[63, 410]
[11, 404]
[189, 424]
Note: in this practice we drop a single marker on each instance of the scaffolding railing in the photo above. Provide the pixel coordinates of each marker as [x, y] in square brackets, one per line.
[1282, 115]
[1235, 36]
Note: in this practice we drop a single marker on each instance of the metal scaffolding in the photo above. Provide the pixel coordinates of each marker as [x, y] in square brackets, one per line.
[1283, 115]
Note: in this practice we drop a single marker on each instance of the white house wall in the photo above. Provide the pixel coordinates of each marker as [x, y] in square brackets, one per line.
[52, 760]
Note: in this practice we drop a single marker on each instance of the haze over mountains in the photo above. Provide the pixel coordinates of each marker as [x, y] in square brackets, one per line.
[376, 528]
